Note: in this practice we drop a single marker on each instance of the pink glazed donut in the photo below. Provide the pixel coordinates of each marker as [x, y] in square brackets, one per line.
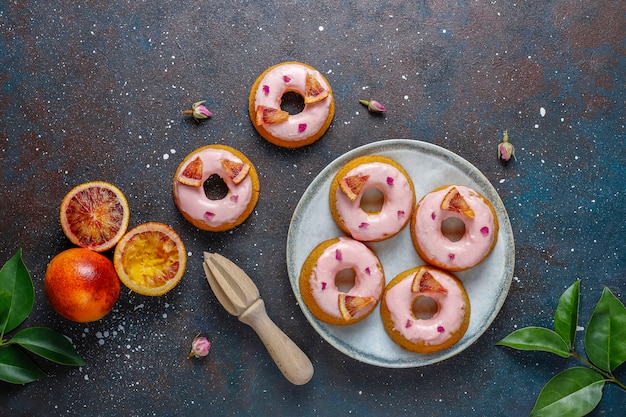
[238, 174]
[349, 187]
[278, 126]
[425, 309]
[478, 219]
[319, 283]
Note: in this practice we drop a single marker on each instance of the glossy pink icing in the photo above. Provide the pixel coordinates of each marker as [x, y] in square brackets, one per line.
[437, 329]
[346, 254]
[193, 200]
[396, 209]
[292, 77]
[475, 243]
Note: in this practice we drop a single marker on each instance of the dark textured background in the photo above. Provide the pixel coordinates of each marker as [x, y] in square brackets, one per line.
[93, 90]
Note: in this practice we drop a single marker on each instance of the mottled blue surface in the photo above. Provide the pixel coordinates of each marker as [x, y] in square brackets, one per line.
[93, 90]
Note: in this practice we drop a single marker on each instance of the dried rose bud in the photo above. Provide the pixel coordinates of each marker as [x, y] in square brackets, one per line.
[199, 111]
[373, 106]
[506, 150]
[199, 347]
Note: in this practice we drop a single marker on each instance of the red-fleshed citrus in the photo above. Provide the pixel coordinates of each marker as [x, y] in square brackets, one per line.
[81, 285]
[95, 215]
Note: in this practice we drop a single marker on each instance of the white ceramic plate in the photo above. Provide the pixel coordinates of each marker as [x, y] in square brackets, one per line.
[429, 166]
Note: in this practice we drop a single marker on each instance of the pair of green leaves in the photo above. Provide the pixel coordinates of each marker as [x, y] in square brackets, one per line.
[577, 391]
[17, 297]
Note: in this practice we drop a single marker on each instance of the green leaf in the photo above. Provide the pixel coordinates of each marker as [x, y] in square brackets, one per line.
[574, 392]
[17, 367]
[536, 338]
[48, 344]
[566, 314]
[606, 333]
[17, 294]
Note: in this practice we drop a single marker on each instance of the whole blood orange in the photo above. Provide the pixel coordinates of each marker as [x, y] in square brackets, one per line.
[81, 285]
[95, 215]
[150, 259]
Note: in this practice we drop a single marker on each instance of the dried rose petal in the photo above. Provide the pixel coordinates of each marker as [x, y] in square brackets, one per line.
[389, 181]
[266, 89]
[368, 271]
[408, 324]
[323, 285]
[208, 215]
[451, 256]
[234, 198]
[484, 230]
[364, 225]
[301, 127]
[433, 215]
[400, 214]
[286, 79]
[440, 329]
[338, 255]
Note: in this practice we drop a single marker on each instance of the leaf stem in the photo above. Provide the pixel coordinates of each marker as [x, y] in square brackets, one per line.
[608, 376]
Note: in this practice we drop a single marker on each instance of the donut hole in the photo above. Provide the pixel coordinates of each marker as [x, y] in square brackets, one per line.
[425, 307]
[292, 102]
[453, 229]
[372, 200]
[344, 280]
[215, 188]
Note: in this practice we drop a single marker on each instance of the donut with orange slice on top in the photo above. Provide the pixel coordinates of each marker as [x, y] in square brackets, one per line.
[454, 227]
[341, 281]
[280, 127]
[205, 170]
[425, 309]
[371, 198]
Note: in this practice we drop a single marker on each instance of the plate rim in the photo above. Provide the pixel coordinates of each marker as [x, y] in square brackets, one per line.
[464, 166]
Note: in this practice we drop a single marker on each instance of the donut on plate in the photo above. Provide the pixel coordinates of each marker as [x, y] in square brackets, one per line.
[425, 309]
[237, 173]
[320, 287]
[454, 250]
[352, 183]
[278, 126]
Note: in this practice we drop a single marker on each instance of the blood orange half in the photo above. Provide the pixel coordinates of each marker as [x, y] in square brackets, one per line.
[95, 215]
[150, 259]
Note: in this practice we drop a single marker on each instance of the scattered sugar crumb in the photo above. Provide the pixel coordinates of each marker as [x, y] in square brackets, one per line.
[542, 112]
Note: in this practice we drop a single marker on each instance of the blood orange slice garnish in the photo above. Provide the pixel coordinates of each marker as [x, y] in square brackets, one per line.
[150, 259]
[351, 305]
[237, 171]
[454, 201]
[95, 215]
[425, 282]
[269, 116]
[192, 174]
[352, 185]
[313, 90]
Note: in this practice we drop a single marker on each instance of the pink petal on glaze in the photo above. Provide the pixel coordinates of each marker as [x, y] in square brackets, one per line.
[364, 225]
[484, 230]
[389, 181]
[338, 255]
[301, 127]
[208, 215]
[266, 89]
[286, 79]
